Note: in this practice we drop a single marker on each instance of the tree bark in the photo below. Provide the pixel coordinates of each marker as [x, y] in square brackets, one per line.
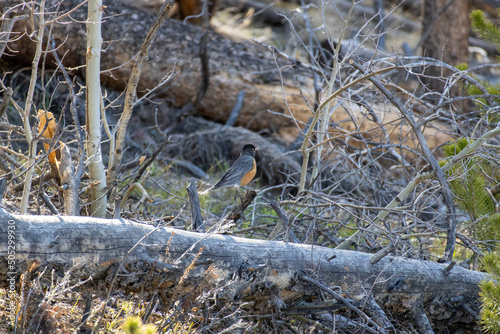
[275, 276]
[268, 82]
[446, 29]
[234, 66]
[98, 196]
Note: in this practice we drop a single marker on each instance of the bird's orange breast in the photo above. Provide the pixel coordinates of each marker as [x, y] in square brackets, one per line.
[249, 176]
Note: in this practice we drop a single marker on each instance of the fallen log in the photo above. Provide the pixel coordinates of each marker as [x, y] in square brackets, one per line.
[204, 143]
[270, 276]
[278, 94]
[233, 66]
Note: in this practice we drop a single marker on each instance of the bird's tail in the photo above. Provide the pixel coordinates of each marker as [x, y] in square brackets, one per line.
[204, 192]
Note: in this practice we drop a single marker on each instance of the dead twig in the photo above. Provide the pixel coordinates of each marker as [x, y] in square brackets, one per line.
[69, 183]
[204, 58]
[49, 204]
[448, 197]
[27, 111]
[238, 210]
[196, 220]
[7, 95]
[345, 301]
[382, 253]
[131, 94]
[283, 222]
[233, 116]
[145, 195]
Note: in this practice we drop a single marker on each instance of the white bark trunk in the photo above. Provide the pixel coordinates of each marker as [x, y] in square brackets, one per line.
[98, 190]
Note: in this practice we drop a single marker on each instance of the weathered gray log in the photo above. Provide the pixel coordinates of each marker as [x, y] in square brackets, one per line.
[94, 247]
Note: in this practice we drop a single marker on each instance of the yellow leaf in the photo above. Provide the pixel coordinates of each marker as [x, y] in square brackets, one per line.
[50, 130]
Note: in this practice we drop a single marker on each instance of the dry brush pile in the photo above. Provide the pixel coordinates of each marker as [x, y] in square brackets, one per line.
[350, 157]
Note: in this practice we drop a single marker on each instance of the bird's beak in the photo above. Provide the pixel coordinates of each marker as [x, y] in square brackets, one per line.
[256, 148]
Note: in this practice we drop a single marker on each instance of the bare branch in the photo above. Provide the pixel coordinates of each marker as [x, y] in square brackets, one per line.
[131, 94]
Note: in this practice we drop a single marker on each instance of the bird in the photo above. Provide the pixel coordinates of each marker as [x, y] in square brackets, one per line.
[241, 172]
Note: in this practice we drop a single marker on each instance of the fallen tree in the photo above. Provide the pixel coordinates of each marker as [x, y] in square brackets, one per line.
[271, 277]
[234, 67]
[278, 94]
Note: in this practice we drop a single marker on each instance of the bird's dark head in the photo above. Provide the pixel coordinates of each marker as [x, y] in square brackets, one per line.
[249, 148]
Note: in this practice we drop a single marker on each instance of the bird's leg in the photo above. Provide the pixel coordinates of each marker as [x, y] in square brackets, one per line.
[237, 194]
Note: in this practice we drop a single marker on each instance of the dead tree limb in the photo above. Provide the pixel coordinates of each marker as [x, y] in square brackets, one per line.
[96, 247]
[447, 195]
[194, 201]
[238, 210]
[178, 52]
[131, 94]
[7, 95]
[284, 222]
[69, 184]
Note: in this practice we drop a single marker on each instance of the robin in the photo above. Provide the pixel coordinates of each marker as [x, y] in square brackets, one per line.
[240, 173]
